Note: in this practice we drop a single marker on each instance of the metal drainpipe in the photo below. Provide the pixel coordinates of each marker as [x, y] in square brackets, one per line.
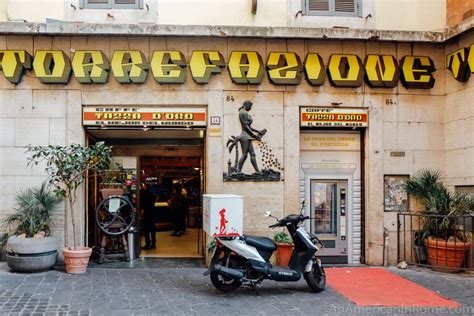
[385, 247]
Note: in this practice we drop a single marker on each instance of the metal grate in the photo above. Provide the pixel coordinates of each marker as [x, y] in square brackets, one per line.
[412, 240]
[344, 5]
[318, 5]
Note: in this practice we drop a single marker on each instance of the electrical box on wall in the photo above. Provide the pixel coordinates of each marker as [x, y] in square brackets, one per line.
[223, 215]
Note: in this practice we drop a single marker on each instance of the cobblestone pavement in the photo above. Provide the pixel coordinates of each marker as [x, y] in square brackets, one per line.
[184, 290]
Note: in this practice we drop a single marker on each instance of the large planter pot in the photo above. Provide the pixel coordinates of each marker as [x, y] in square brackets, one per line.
[111, 192]
[31, 254]
[76, 261]
[284, 252]
[446, 256]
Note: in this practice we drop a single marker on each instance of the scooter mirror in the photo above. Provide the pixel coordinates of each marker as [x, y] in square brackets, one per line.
[267, 213]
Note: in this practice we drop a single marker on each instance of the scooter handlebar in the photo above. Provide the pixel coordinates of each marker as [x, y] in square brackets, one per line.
[284, 221]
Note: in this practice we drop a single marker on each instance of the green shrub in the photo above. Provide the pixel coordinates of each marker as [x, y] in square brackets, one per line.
[33, 212]
[283, 238]
[67, 168]
[448, 206]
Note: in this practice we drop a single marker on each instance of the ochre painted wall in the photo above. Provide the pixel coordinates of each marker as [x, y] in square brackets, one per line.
[413, 15]
[458, 11]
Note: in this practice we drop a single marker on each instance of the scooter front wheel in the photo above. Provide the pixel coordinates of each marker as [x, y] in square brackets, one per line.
[316, 279]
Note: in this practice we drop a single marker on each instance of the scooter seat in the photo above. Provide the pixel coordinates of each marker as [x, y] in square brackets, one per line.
[262, 243]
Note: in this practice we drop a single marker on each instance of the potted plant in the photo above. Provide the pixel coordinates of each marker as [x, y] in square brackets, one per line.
[31, 247]
[67, 167]
[284, 248]
[445, 240]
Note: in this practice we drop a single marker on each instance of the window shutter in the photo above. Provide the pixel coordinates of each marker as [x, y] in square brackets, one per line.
[318, 5]
[125, 1]
[347, 6]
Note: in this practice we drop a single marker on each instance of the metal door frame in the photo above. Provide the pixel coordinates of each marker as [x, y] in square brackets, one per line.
[333, 174]
[339, 243]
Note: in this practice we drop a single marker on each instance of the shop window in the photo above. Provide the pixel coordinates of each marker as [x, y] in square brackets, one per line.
[111, 4]
[332, 7]
[466, 189]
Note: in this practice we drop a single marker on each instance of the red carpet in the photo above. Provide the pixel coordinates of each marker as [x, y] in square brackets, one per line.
[378, 287]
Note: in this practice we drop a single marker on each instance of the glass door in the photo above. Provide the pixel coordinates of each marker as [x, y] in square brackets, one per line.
[328, 213]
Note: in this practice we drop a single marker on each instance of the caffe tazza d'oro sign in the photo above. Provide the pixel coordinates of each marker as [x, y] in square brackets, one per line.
[107, 116]
[333, 117]
[244, 67]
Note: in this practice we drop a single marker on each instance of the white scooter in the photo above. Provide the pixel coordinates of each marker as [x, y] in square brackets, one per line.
[245, 259]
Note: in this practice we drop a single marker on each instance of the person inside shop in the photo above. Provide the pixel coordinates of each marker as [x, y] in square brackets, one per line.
[147, 199]
[179, 205]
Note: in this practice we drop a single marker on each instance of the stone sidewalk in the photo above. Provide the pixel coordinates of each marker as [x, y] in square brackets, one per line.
[183, 290]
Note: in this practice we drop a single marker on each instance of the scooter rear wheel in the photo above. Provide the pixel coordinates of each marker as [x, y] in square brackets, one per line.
[316, 279]
[224, 283]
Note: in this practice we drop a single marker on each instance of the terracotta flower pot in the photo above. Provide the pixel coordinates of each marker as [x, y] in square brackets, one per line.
[111, 191]
[284, 252]
[76, 261]
[446, 256]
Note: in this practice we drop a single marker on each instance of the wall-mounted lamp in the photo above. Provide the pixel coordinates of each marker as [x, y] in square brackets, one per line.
[17, 20]
[73, 6]
[254, 6]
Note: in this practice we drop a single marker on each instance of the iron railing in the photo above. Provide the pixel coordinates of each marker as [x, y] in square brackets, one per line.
[414, 246]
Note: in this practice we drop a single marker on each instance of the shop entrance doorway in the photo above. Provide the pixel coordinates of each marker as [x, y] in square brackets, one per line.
[332, 184]
[328, 212]
[162, 173]
[175, 184]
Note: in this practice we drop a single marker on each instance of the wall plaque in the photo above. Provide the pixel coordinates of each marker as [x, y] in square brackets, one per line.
[333, 117]
[140, 117]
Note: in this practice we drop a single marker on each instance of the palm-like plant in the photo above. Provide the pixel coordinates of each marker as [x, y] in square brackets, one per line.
[232, 143]
[441, 205]
[33, 213]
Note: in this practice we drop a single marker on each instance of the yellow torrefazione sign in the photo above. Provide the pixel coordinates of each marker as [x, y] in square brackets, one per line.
[244, 67]
[461, 63]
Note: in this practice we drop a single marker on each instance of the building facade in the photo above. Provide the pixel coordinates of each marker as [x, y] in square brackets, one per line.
[347, 112]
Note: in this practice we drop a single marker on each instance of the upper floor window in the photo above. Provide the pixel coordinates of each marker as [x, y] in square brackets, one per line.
[332, 7]
[111, 4]
[465, 189]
